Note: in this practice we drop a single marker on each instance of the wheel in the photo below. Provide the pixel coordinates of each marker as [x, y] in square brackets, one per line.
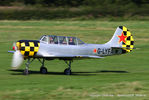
[26, 72]
[67, 71]
[43, 70]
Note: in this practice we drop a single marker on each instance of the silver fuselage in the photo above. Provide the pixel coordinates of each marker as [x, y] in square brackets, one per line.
[84, 49]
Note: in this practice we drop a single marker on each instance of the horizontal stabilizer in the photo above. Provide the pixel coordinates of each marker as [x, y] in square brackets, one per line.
[122, 48]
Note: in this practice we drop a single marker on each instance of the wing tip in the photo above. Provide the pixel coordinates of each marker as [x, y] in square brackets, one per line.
[11, 51]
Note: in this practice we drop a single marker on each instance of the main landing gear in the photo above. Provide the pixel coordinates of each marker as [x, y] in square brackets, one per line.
[43, 70]
[67, 71]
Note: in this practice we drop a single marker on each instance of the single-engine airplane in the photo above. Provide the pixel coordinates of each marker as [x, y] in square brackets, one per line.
[51, 47]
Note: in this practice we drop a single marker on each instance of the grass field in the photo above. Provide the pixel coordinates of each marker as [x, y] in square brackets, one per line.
[124, 77]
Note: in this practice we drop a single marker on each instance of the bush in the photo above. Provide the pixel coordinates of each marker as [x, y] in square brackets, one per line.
[61, 13]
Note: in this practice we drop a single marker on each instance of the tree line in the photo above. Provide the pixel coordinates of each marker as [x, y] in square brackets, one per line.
[84, 9]
[71, 3]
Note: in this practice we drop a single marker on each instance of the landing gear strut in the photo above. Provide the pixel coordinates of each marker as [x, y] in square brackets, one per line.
[43, 70]
[67, 71]
[29, 61]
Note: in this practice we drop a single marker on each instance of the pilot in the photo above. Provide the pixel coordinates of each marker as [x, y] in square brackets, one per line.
[71, 41]
[51, 40]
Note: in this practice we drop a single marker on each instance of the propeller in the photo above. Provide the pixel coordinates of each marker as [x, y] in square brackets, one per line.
[14, 46]
[17, 58]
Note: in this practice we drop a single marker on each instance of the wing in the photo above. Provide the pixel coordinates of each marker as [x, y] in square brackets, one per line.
[50, 55]
[75, 56]
[64, 56]
[47, 55]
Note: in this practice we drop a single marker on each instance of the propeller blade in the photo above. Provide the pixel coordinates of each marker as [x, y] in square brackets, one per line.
[17, 59]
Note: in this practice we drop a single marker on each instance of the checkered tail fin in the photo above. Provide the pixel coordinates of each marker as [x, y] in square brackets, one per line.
[122, 38]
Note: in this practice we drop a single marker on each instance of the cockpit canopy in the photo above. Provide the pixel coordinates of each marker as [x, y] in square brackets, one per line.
[62, 40]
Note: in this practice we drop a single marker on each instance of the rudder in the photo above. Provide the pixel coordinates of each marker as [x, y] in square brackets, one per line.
[122, 38]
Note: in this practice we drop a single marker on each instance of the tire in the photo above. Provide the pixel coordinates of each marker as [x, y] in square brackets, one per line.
[43, 70]
[67, 71]
[26, 72]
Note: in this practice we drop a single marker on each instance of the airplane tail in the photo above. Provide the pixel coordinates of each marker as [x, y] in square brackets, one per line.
[123, 39]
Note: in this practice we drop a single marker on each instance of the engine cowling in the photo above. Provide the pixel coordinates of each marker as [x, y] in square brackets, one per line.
[28, 48]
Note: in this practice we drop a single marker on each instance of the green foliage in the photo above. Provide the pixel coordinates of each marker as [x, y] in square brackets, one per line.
[60, 9]
[63, 13]
[71, 3]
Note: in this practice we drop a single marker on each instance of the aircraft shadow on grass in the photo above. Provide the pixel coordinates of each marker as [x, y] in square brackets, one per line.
[73, 73]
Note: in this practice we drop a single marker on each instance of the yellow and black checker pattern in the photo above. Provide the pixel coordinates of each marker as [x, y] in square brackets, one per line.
[129, 44]
[29, 48]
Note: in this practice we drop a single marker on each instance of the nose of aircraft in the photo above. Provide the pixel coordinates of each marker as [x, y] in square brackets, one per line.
[13, 47]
